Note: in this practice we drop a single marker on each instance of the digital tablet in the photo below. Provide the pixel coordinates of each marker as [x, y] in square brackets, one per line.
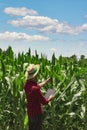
[49, 93]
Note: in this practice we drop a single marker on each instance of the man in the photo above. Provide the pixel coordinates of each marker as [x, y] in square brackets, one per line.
[35, 99]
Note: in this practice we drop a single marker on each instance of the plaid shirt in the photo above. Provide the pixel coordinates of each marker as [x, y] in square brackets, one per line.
[34, 98]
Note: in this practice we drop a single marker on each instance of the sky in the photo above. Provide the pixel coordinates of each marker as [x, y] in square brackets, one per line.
[48, 26]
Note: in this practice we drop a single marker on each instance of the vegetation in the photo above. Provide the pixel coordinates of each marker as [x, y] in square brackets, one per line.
[68, 111]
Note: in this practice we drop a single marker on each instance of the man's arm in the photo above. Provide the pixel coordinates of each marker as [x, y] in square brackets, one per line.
[45, 82]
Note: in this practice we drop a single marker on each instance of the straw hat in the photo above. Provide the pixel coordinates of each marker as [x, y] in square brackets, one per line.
[32, 71]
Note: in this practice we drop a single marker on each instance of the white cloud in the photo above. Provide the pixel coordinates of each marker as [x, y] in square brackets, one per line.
[31, 20]
[84, 27]
[14, 36]
[20, 11]
[38, 22]
[53, 49]
[47, 25]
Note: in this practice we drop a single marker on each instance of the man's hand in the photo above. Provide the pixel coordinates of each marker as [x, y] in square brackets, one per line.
[50, 97]
[49, 80]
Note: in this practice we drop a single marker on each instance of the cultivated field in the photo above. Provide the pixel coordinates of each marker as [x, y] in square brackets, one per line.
[68, 111]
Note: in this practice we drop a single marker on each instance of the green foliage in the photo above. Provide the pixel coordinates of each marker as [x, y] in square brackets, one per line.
[68, 111]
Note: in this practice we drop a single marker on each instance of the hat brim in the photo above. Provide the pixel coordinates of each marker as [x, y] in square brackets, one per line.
[31, 76]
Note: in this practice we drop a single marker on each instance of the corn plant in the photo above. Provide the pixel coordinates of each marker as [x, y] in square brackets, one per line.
[67, 111]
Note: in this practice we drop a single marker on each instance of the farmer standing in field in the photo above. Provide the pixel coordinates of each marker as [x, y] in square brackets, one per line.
[34, 97]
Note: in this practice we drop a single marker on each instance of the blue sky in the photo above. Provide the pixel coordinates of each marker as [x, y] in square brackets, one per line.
[49, 26]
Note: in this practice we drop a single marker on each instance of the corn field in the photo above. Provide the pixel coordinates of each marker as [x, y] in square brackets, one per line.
[68, 111]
